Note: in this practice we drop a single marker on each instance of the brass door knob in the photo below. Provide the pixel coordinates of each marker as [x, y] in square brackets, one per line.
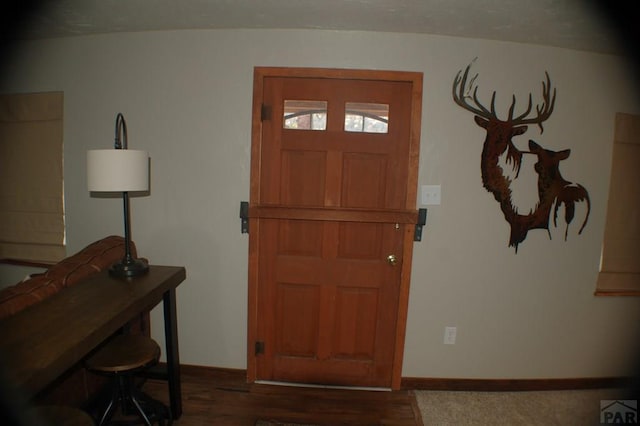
[392, 259]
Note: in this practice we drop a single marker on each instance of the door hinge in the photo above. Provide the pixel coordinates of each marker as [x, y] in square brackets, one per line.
[422, 221]
[244, 217]
[265, 112]
[259, 347]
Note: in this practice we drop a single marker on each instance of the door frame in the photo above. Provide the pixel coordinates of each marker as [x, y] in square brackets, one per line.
[260, 73]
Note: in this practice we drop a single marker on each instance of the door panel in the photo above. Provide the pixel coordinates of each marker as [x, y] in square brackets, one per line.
[362, 170]
[303, 177]
[327, 208]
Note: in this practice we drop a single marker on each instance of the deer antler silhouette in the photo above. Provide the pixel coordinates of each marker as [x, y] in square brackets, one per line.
[498, 141]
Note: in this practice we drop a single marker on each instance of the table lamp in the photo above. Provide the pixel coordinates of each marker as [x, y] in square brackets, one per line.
[120, 170]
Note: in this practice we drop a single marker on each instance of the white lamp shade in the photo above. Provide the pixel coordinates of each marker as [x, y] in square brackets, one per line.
[117, 170]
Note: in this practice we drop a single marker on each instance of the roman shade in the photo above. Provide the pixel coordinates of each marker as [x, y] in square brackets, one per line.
[32, 225]
[620, 264]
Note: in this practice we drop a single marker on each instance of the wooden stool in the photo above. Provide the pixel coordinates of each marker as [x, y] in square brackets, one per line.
[60, 415]
[121, 358]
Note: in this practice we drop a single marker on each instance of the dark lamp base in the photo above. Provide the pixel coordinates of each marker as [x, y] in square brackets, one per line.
[133, 268]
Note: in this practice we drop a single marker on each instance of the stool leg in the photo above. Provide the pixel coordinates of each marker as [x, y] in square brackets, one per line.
[140, 410]
[155, 408]
[108, 412]
[127, 398]
[134, 402]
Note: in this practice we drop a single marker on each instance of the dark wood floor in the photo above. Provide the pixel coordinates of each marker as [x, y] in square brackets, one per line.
[222, 397]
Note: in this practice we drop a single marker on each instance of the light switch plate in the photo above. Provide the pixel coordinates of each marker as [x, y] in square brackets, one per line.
[430, 195]
[450, 335]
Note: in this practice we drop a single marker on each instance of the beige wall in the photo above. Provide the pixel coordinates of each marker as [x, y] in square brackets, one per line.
[186, 96]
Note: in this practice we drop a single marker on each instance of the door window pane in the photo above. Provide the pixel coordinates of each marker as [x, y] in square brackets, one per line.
[305, 115]
[366, 117]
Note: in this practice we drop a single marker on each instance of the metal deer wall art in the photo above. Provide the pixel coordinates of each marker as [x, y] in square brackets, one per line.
[499, 150]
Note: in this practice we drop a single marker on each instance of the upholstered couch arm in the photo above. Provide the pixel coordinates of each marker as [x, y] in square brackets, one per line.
[93, 258]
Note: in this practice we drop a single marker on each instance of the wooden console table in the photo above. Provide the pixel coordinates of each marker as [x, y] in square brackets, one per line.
[40, 343]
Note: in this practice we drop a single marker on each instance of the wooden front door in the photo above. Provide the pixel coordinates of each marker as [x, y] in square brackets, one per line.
[332, 214]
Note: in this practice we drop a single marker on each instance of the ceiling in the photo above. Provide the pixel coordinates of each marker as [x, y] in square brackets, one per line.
[560, 23]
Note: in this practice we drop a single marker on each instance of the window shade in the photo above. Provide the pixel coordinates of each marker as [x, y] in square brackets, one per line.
[31, 178]
[620, 266]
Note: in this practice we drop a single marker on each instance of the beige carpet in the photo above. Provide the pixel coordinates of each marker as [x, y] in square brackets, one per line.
[544, 408]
